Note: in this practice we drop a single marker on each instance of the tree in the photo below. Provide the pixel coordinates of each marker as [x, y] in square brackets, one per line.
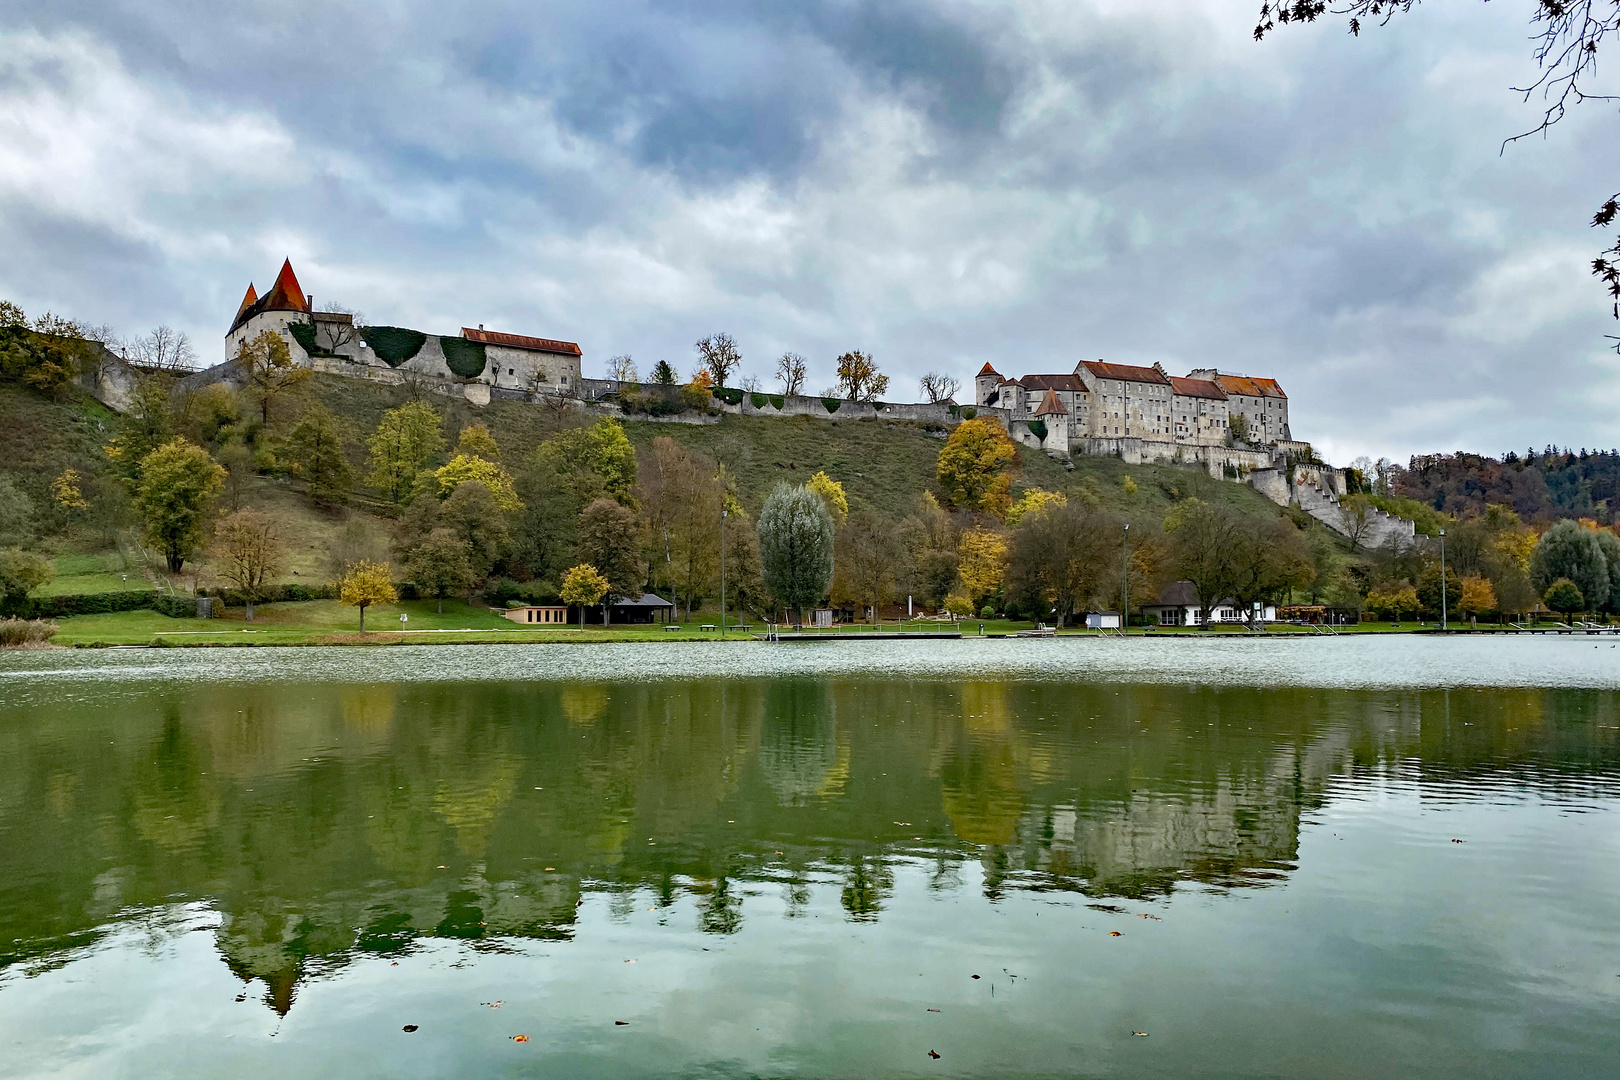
[21, 572]
[622, 369]
[929, 540]
[268, 368]
[476, 441]
[147, 424]
[796, 547]
[163, 349]
[1569, 550]
[584, 586]
[1565, 597]
[791, 371]
[406, 439]
[466, 469]
[976, 467]
[1393, 601]
[1268, 557]
[981, 563]
[1428, 590]
[1610, 544]
[664, 374]
[365, 584]
[315, 450]
[1477, 596]
[832, 493]
[474, 515]
[610, 539]
[682, 496]
[1357, 514]
[859, 378]
[1567, 41]
[745, 585]
[590, 461]
[1060, 558]
[178, 485]
[441, 564]
[1238, 425]
[49, 354]
[866, 553]
[939, 387]
[1202, 537]
[719, 356]
[68, 491]
[340, 332]
[250, 553]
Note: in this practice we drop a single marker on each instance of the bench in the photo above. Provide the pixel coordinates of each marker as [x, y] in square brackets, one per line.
[667, 626]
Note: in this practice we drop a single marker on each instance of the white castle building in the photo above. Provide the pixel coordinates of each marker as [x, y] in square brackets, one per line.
[476, 360]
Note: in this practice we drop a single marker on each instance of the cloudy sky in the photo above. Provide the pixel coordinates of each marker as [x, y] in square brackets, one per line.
[942, 183]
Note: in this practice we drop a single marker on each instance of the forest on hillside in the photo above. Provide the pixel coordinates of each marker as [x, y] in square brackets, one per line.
[1541, 487]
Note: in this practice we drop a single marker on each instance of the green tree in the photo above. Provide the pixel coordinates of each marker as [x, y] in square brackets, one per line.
[147, 424]
[681, 494]
[1060, 557]
[472, 513]
[1610, 544]
[476, 441]
[664, 375]
[441, 565]
[178, 485]
[1428, 591]
[1202, 540]
[584, 586]
[406, 440]
[315, 452]
[590, 462]
[796, 547]
[1570, 550]
[866, 554]
[250, 553]
[365, 584]
[609, 538]
[466, 469]
[21, 572]
[976, 467]
[1565, 597]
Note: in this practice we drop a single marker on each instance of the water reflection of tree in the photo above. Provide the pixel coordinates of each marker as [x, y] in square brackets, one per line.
[415, 812]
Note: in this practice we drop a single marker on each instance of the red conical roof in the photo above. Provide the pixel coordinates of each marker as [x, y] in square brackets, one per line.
[286, 294]
[247, 301]
[988, 370]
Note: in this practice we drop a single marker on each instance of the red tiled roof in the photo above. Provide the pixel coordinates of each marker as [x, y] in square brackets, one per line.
[248, 300]
[1124, 372]
[1053, 382]
[1269, 387]
[988, 370]
[1196, 388]
[1243, 384]
[1050, 405]
[518, 341]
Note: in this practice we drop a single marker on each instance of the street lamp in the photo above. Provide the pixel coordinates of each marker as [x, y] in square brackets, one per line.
[1125, 579]
[1442, 579]
[723, 513]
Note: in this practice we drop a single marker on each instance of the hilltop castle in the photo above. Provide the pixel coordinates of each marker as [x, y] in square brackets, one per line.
[472, 363]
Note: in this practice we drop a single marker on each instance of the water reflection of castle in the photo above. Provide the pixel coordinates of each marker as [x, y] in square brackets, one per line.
[486, 813]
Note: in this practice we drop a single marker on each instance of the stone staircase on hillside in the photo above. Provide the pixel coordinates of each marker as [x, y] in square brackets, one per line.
[1381, 527]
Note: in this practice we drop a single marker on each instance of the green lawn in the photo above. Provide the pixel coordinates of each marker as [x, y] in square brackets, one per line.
[93, 573]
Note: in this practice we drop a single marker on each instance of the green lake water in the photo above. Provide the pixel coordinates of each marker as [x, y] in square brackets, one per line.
[1331, 857]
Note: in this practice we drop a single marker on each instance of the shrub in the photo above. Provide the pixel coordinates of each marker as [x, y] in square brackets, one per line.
[463, 357]
[987, 612]
[56, 607]
[650, 404]
[727, 394]
[777, 400]
[956, 410]
[25, 633]
[758, 400]
[505, 593]
[1037, 428]
[831, 403]
[393, 344]
[967, 412]
[175, 607]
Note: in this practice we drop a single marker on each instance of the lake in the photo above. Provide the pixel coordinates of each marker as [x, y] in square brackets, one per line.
[1322, 857]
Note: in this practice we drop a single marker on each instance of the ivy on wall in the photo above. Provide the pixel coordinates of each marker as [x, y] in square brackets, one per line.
[728, 395]
[778, 400]
[393, 344]
[1037, 428]
[831, 403]
[759, 400]
[463, 357]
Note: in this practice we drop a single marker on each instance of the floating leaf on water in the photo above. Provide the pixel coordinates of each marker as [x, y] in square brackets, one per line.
[520, 1038]
[932, 1054]
[1115, 933]
[408, 1027]
[551, 868]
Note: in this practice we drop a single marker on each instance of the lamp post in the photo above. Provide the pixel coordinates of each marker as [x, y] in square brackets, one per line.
[1442, 579]
[723, 513]
[1125, 579]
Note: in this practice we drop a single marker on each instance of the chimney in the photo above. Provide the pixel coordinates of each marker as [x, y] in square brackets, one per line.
[480, 328]
[309, 298]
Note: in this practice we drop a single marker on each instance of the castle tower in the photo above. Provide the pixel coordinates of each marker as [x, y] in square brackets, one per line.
[1056, 418]
[986, 386]
[277, 309]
